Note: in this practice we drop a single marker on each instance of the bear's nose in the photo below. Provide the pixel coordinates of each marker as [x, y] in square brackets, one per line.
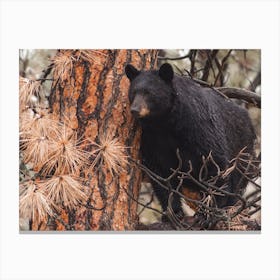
[135, 111]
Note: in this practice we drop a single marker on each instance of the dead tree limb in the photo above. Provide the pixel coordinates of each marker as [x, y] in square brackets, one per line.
[233, 92]
[239, 93]
[208, 215]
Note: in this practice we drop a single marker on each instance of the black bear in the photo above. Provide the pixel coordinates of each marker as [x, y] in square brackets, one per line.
[175, 112]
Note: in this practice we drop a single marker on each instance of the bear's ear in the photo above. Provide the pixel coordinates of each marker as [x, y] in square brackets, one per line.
[131, 72]
[166, 72]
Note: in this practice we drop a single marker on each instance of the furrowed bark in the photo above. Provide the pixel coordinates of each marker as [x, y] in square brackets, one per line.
[94, 98]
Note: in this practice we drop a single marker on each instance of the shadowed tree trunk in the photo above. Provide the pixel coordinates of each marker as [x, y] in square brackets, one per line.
[90, 91]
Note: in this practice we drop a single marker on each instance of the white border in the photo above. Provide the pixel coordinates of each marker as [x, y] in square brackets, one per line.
[174, 24]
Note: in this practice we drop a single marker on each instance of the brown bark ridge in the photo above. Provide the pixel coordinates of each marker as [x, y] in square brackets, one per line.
[91, 92]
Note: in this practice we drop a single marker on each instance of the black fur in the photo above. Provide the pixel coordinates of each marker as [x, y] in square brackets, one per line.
[194, 119]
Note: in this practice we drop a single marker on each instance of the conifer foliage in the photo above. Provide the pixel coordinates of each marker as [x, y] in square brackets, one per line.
[74, 149]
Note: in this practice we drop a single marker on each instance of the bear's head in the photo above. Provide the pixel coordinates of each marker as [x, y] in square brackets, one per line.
[151, 93]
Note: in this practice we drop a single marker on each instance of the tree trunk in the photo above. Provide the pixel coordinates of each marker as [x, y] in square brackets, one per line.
[90, 91]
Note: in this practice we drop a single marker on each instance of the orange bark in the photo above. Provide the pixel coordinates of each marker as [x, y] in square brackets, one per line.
[94, 97]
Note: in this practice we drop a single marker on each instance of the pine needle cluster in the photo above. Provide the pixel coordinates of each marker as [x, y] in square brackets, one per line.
[28, 93]
[65, 59]
[52, 150]
[109, 153]
[33, 203]
[55, 153]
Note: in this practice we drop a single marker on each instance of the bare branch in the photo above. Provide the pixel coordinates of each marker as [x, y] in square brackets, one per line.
[208, 214]
[256, 82]
[221, 68]
[140, 203]
[173, 58]
[211, 56]
[239, 93]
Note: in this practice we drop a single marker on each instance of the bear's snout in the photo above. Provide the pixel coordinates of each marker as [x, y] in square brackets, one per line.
[144, 112]
[139, 107]
[135, 110]
[139, 111]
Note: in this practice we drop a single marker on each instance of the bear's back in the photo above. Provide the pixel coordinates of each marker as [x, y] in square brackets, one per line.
[208, 115]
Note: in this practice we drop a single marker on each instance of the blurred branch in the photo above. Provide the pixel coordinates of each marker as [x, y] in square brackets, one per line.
[221, 68]
[233, 92]
[145, 205]
[256, 82]
[173, 58]
[239, 93]
[45, 74]
[192, 59]
[209, 65]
